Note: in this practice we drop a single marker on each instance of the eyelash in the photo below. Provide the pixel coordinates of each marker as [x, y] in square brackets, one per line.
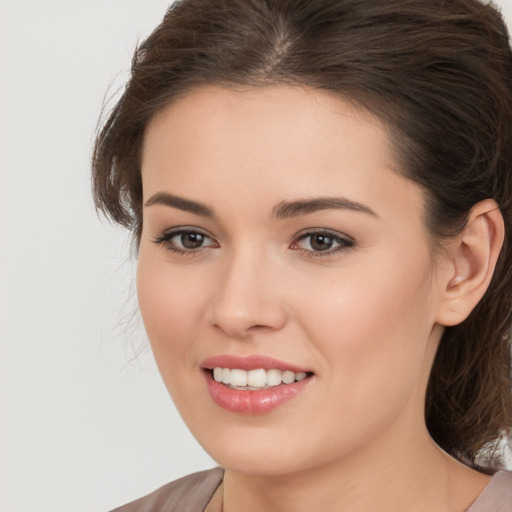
[344, 242]
[166, 238]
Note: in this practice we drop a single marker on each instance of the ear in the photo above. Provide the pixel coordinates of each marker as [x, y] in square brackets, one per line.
[472, 259]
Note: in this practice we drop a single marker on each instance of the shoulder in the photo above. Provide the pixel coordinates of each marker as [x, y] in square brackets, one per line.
[497, 496]
[188, 494]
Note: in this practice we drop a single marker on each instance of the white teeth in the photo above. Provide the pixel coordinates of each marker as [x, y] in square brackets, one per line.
[238, 378]
[256, 379]
[217, 374]
[274, 377]
[288, 377]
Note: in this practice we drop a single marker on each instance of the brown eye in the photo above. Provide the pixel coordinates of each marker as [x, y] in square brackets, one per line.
[185, 241]
[191, 240]
[318, 243]
[321, 242]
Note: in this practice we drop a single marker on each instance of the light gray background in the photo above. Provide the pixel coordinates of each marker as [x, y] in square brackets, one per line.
[84, 425]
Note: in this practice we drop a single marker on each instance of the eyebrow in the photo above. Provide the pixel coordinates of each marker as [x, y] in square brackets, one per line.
[283, 210]
[166, 199]
[288, 209]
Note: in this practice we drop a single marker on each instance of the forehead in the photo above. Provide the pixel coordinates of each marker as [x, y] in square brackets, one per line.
[275, 143]
[292, 112]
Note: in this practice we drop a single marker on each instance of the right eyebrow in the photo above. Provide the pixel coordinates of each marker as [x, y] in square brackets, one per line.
[166, 199]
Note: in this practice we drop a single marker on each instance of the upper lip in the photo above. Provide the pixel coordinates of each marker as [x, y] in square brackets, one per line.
[253, 362]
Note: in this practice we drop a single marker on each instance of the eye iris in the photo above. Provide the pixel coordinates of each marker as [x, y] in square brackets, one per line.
[321, 242]
[191, 240]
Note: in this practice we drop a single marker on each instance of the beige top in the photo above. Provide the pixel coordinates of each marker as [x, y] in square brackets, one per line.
[192, 493]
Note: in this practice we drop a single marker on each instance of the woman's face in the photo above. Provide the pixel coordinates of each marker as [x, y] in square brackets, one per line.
[277, 237]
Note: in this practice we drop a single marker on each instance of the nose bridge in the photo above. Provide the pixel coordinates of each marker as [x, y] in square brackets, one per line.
[247, 294]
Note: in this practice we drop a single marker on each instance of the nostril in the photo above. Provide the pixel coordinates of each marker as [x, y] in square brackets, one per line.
[260, 327]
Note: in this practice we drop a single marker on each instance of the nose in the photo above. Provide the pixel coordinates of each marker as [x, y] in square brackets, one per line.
[248, 297]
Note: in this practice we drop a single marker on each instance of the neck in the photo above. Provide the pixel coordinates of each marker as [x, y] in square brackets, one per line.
[415, 476]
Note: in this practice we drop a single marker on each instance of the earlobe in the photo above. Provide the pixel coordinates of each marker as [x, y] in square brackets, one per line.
[473, 259]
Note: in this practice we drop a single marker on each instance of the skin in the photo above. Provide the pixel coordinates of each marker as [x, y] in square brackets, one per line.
[365, 318]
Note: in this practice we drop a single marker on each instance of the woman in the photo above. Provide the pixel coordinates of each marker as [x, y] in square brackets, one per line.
[321, 200]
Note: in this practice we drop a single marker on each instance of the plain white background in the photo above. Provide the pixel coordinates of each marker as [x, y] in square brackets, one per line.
[84, 425]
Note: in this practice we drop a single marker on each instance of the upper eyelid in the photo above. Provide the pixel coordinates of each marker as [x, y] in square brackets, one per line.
[345, 242]
[326, 231]
[168, 234]
[171, 232]
[164, 241]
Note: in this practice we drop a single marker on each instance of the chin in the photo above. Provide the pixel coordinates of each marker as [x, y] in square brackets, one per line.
[258, 452]
[257, 464]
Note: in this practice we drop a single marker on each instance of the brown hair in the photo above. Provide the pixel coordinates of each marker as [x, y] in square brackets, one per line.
[437, 72]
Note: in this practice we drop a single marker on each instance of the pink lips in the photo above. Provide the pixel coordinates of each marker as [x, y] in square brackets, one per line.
[249, 363]
[251, 402]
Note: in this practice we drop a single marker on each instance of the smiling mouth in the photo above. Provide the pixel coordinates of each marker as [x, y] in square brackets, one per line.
[253, 385]
[256, 380]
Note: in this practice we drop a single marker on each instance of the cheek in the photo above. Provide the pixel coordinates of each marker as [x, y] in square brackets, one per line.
[373, 326]
[171, 306]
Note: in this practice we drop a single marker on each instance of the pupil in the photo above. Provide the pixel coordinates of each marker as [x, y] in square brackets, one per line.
[192, 240]
[321, 242]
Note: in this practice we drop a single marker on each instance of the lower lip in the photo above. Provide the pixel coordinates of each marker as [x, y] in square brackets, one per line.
[253, 402]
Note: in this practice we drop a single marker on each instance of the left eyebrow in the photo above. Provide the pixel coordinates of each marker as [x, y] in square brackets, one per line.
[287, 209]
